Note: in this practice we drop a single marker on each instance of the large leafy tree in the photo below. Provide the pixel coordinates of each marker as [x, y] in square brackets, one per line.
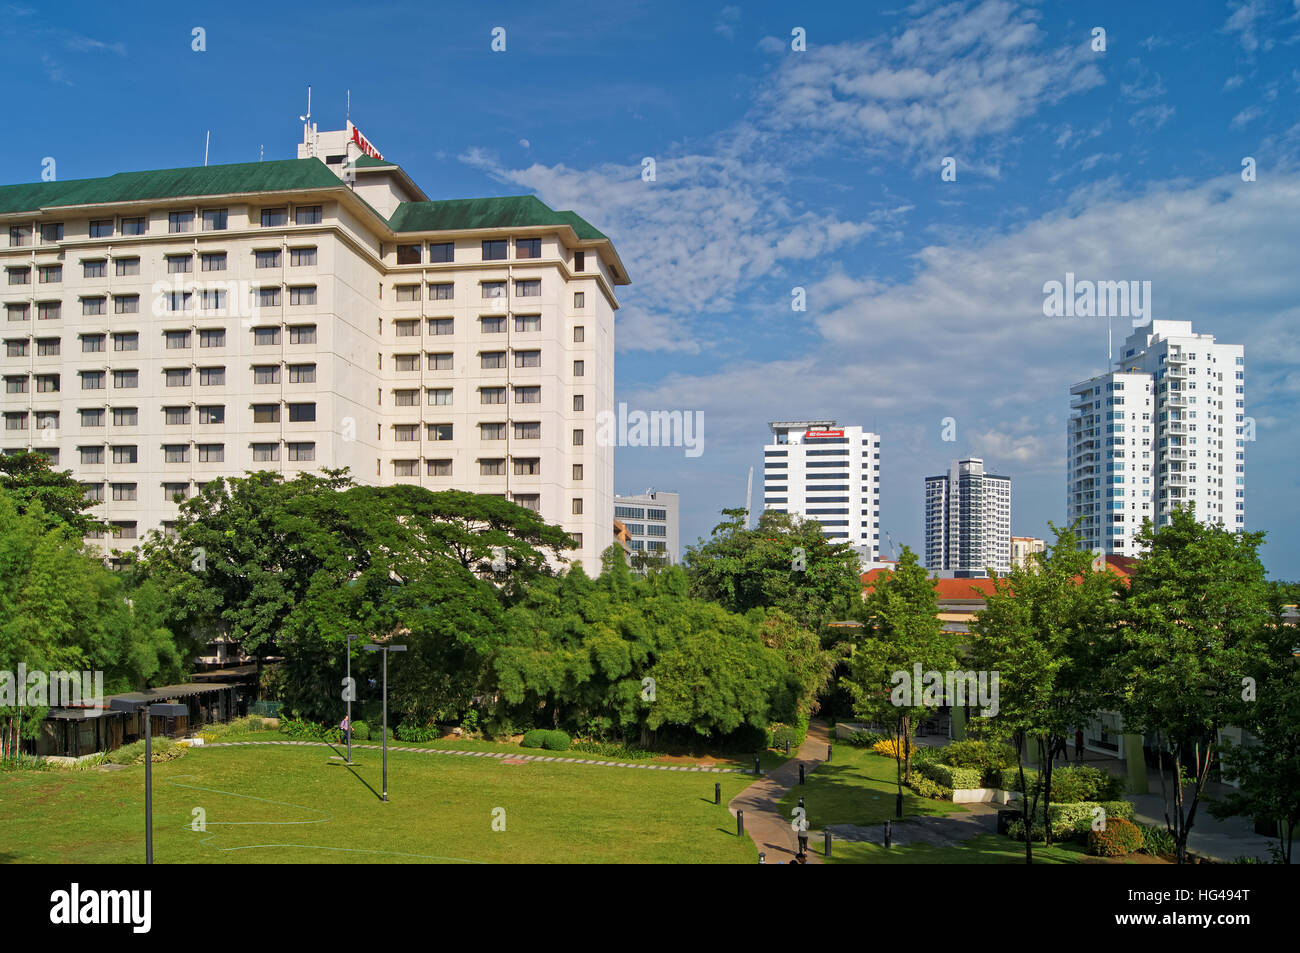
[28, 478]
[1043, 630]
[1196, 621]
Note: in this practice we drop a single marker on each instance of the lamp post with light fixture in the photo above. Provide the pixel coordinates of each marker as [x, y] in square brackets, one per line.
[385, 649]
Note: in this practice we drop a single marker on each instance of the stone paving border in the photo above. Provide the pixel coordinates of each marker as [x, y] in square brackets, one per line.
[481, 754]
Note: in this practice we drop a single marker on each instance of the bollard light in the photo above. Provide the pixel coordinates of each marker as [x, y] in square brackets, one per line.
[787, 747]
[740, 823]
[828, 841]
[756, 769]
[898, 804]
[762, 856]
[717, 792]
[801, 772]
[829, 749]
[889, 834]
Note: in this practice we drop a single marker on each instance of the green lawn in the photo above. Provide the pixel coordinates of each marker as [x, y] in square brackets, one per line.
[984, 849]
[295, 805]
[857, 787]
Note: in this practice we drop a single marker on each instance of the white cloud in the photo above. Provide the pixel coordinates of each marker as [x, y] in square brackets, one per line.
[727, 21]
[1243, 20]
[1151, 118]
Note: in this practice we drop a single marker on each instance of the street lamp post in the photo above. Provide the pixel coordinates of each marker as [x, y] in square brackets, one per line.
[165, 710]
[351, 692]
[385, 649]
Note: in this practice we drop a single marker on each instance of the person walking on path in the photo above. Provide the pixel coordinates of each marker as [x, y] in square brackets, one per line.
[1078, 745]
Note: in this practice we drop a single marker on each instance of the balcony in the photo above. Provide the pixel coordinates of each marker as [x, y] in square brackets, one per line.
[1176, 399]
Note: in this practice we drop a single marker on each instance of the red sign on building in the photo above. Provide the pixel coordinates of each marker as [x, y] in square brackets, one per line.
[364, 144]
[817, 434]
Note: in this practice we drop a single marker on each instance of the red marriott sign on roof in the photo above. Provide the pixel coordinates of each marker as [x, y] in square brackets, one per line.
[363, 143]
[817, 434]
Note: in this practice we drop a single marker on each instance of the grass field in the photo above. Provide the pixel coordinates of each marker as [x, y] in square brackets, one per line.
[984, 849]
[296, 805]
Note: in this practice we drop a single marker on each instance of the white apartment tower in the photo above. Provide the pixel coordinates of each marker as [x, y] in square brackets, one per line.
[1163, 429]
[166, 328]
[829, 473]
[652, 520]
[967, 521]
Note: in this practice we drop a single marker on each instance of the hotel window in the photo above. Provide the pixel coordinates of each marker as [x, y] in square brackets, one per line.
[440, 362]
[528, 358]
[528, 395]
[47, 347]
[266, 452]
[300, 257]
[213, 261]
[438, 467]
[180, 222]
[176, 416]
[528, 322]
[406, 362]
[212, 414]
[91, 456]
[406, 433]
[406, 398]
[264, 337]
[49, 274]
[178, 301]
[302, 413]
[440, 397]
[494, 289]
[267, 297]
[532, 288]
[577, 506]
[579, 300]
[529, 501]
[492, 360]
[492, 395]
[444, 291]
[47, 420]
[214, 219]
[527, 466]
[494, 250]
[124, 492]
[577, 438]
[528, 248]
[405, 468]
[212, 338]
[438, 431]
[18, 385]
[303, 295]
[274, 217]
[180, 264]
[529, 430]
[579, 261]
[266, 259]
[407, 292]
[17, 312]
[135, 226]
[49, 383]
[212, 300]
[101, 228]
[125, 380]
[94, 268]
[492, 431]
[266, 374]
[177, 340]
[302, 373]
[126, 304]
[126, 267]
[173, 490]
[409, 254]
[441, 325]
[92, 417]
[53, 231]
[17, 420]
[123, 454]
[19, 235]
[176, 377]
[302, 452]
[91, 380]
[577, 473]
[20, 276]
[123, 529]
[266, 413]
[440, 252]
[579, 368]
[176, 453]
[212, 452]
[492, 468]
[16, 348]
[307, 215]
[126, 341]
[408, 328]
[492, 325]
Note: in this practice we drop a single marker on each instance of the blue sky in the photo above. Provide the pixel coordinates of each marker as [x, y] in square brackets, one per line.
[778, 169]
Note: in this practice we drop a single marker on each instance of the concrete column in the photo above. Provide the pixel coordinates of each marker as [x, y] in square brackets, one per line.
[957, 723]
[1136, 764]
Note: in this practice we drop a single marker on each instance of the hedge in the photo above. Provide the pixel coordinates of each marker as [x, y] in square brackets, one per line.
[950, 777]
[1075, 820]
[548, 740]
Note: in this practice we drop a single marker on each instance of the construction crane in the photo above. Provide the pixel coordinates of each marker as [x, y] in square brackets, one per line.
[749, 496]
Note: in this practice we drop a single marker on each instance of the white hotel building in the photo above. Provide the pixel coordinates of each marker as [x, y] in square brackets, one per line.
[967, 521]
[652, 521]
[1161, 430]
[166, 328]
[821, 471]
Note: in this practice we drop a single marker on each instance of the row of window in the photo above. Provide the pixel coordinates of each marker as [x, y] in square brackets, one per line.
[175, 340]
[172, 416]
[492, 250]
[205, 453]
[178, 222]
[488, 360]
[446, 291]
[172, 377]
[177, 264]
[215, 299]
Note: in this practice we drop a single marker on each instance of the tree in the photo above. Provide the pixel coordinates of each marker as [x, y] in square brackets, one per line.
[1195, 622]
[902, 630]
[28, 478]
[783, 563]
[1042, 631]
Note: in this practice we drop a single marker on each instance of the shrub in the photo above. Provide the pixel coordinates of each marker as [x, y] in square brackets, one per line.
[301, 730]
[418, 733]
[164, 749]
[1074, 821]
[533, 738]
[987, 757]
[1016, 830]
[926, 754]
[1009, 779]
[1157, 841]
[781, 735]
[927, 788]
[950, 777]
[469, 722]
[611, 750]
[865, 739]
[360, 731]
[1084, 783]
[1119, 838]
[556, 741]
[889, 747]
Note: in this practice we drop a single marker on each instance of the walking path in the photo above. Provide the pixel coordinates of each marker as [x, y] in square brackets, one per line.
[945, 830]
[764, 823]
[511, 755]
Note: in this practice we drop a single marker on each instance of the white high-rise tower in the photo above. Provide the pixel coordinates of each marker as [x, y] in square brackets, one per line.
[967, 521]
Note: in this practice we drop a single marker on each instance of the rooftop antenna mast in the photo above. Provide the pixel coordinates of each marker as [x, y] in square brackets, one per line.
[206, 142]
[309, 127]
[349, 112]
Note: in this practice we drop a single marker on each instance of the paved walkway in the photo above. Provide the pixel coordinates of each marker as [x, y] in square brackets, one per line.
[511, 755]
[766, 825]
[943, 830]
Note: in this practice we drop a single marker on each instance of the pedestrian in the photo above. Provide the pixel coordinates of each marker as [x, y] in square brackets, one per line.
[1078, 745]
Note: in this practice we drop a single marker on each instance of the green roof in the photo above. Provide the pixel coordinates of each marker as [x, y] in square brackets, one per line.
[272, 176]
[512, 211]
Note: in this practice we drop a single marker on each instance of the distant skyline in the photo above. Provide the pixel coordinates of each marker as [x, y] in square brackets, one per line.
[776, 170]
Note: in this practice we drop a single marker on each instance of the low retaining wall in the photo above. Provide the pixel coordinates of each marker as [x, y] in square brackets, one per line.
[984, 796]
